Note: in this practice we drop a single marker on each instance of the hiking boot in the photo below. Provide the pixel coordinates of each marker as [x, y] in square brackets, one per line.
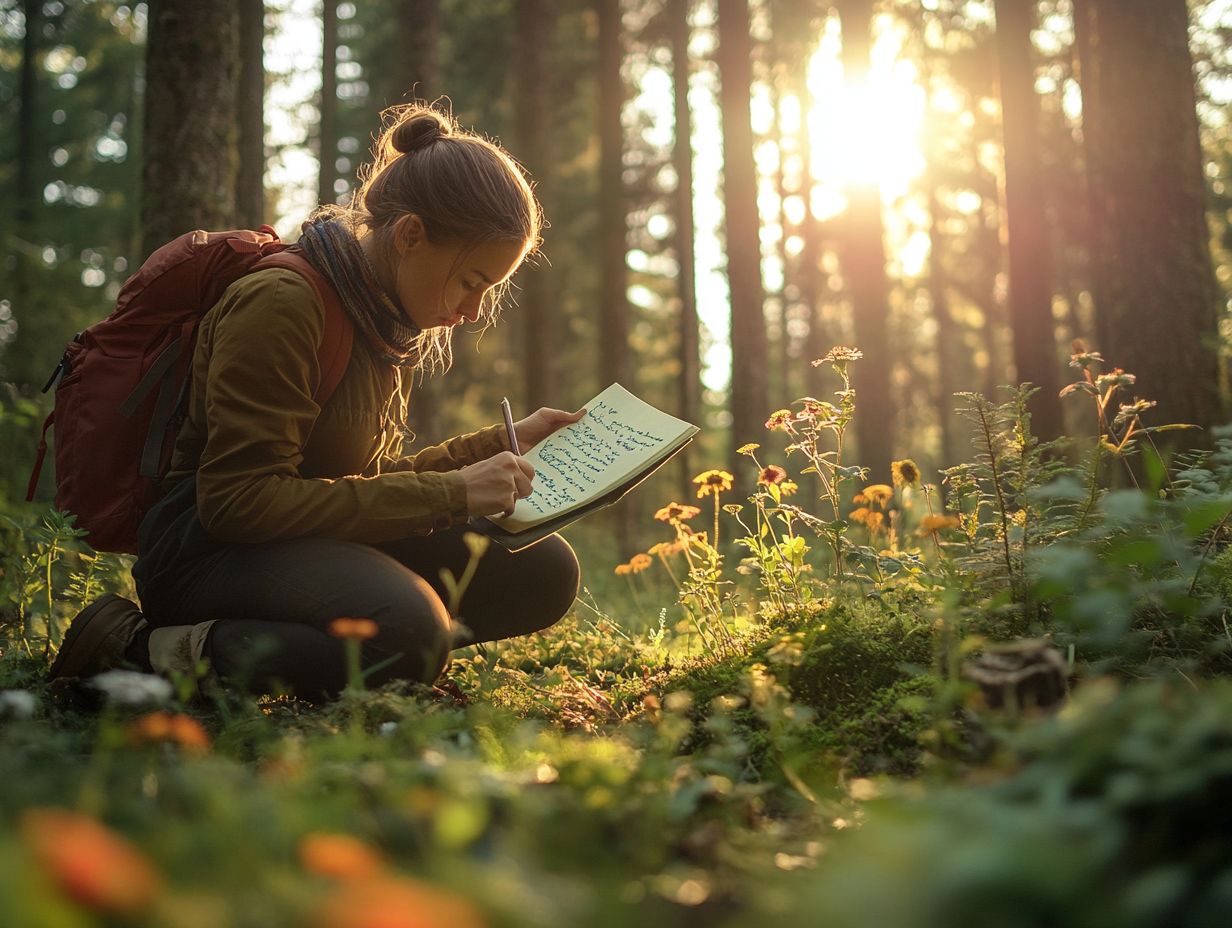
[99, 638]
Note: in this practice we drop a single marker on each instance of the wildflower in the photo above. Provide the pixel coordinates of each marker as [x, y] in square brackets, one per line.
[89, 862]
[931, 524]
[659, 549]
[1114, 378]
[361, 629]
[130, 688]
[779, 420]
[713, 482]
[676, 512]
[397, 902]
[640, 562]
[905, 473]
[788, 487]
[339, 857]
[860, 513]
[748, 449]
[164, 727]
[1132, 410]
[17, 704]
[879, 494]
[840, 354]
[817, 410]
[1081, 358]
[771, 475]
[622, 569]
[860, 499]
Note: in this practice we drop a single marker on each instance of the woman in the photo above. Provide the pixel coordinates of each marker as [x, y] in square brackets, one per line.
[280, 515]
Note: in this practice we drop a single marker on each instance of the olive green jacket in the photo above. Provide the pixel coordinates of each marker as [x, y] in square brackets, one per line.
[271, 464]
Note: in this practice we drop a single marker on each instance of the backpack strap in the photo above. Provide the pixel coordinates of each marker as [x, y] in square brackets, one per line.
[339, 335]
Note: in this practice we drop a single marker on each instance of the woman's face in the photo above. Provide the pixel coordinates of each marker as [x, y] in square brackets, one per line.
[444, 285]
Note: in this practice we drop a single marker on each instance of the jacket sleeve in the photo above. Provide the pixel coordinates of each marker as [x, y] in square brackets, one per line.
[455, 452]
[259, 412]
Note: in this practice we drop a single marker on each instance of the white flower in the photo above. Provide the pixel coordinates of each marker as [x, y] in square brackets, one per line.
[17, 704]
[388, 728]
[129, 688]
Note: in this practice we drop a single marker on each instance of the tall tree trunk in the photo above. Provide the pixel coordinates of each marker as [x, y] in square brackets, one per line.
[1156, 296]
[327, 128]
[27, 130]
[419, 30]
[192, 66]
[1030, 242]
[864, 267]
[537, 307]
[613, 301]
[749, 393]
[250, 182]
[690, 405]
[419, 25]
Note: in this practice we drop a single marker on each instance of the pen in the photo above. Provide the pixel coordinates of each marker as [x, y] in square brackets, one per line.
[513, 436]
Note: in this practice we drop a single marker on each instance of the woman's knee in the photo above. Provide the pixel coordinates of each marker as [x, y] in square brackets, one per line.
[414, 635]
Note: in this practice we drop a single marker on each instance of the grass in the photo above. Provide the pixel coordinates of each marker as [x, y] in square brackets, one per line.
[775, 728]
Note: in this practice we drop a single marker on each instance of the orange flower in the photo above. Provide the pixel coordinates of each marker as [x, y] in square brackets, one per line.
[930, 525]
[713, 482]
[89, 862]
[622, 569]
[339, 857]
[353, 628]
[397, 903]
[676, 512]
[640, 562]
[771, 475]
[878, 493]
[163, 726]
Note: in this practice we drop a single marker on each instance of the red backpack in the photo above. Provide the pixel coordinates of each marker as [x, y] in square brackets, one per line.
[122, 384]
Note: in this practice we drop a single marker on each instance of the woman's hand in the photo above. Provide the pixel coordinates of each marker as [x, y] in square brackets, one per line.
[496, 484]
[542, 423]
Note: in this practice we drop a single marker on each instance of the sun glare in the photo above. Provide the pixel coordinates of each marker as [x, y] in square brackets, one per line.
[864, 130]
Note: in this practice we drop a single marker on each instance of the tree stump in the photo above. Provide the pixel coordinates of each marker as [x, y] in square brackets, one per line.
[1020, 675]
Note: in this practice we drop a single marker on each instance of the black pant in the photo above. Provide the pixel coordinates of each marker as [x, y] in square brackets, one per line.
[274, 602]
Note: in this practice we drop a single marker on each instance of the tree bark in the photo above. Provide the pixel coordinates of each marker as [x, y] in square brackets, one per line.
[1155, 290]
[689, 397]
[327, 128]
[613, 301]
[749, 393]
[192, 66]
[419, 26]
[1030, 240]
[250, 181]
[864, 267]
[534, 22]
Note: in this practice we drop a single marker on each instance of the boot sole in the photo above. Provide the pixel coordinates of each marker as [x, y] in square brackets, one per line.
[84, 638]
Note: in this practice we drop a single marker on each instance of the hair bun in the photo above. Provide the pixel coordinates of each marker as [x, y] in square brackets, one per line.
[419, 131]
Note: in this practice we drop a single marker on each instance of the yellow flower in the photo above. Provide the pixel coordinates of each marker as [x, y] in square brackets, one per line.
[860, 499]
[676, 512]
[930, 525]
[640, 562]
[788, 487]
[879, 494]
[905, 473]
[713, 482]
[353, 628]
[622, 569]
[748, 449]
[779, 419]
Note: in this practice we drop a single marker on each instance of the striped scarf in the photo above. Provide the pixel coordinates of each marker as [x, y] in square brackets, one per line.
[333, 249]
